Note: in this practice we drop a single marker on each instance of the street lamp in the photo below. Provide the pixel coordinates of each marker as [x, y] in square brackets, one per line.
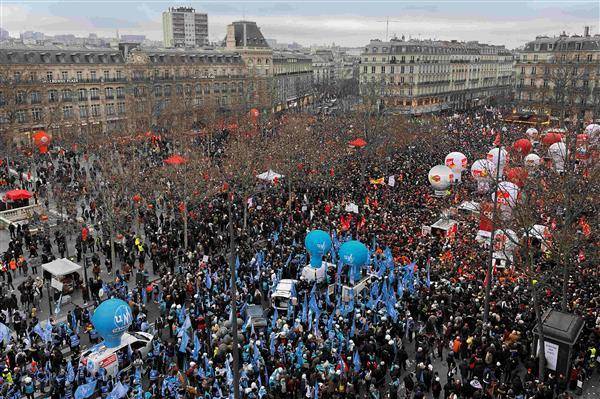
[86, 259]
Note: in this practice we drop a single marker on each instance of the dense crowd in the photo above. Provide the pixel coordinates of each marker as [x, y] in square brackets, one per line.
[415, 332]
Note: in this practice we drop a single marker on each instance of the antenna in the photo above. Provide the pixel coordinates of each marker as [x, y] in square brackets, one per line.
[387, 26]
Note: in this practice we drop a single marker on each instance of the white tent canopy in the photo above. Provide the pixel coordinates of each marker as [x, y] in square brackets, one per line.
[444, 224]
[269, 176]
[61, 267]
[469, 206]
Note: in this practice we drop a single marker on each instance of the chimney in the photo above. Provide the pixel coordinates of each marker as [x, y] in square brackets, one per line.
[586, 31]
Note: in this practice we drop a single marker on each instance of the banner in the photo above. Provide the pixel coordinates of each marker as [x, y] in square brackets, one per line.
[485, 220]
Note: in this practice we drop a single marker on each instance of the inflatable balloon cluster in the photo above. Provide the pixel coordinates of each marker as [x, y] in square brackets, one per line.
[442, 176]
[111, 319]
[318, 244]
[352, 253]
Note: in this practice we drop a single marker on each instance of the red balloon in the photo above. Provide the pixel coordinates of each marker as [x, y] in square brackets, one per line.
[522, 146]
[551, 138]
[41, 139]
[517, 175]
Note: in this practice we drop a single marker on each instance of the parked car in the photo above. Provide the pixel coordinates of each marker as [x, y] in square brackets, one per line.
[284, 294]
[256, 316]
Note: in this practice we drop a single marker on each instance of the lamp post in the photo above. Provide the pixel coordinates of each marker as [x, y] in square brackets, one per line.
[86, 259]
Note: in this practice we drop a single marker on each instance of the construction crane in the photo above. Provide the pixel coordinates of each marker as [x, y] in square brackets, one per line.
[387, 26]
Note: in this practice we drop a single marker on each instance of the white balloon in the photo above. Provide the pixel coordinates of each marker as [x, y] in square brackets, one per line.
[492, 156]
[101, 292]
[532, 160]
[558, 153]
[457, 162]
[482, 169]
[531, 132]
[440, 177]
[593, 131]
[506, 194]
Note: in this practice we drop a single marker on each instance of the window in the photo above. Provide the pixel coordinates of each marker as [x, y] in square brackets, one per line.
[545, 83]
[535, 57]
[364, 69]
[533, 69]
[93, 75]
[94, 93]
[95, 110]
[20, 97]
[383, 69]
[167, 91]
[412, 69]
[67, 111]
[372, 69]
[67, 95]
[120, 92]
[64, 75]
[402, 69]
[119, 74]
[198, 89]
[21, 116]
[106, 75]
[52, 96]
[522, 69]
[35, 97]
[109, 109]
[179, 90]
[531, 82]
[392, 69]
[121, 108]
[546, 71]
[82, 95]
[49, 76]
[109, 92]
[157, 91]
[83, 111]
[589, 57]
[36, 114]
[79, 76]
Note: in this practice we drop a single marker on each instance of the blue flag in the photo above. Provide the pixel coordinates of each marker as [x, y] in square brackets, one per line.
[208, 280]
[274, 320]
[428, 281]
[316, 391]
[86, 390]
[196, 347]
[184, 341]
[356, 361]
[118, 391]
[237, 263]
[304, 316]
[70, 372]
[272, 344]
[5, 333]
[58, 305]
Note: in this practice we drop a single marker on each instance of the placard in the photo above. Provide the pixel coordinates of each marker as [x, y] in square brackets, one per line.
[54, 283]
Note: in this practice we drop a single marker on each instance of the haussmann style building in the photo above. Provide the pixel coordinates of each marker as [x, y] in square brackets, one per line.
[423, 76]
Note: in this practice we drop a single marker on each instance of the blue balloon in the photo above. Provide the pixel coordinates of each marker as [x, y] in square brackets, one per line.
[111, 319]
[354, 253]
[318, 244]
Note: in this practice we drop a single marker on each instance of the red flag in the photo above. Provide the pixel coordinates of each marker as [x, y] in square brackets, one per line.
[84, 233]
[585, 227]
[581, 256]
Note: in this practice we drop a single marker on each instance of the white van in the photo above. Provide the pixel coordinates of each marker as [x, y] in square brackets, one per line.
[100, 356]
[282, 295]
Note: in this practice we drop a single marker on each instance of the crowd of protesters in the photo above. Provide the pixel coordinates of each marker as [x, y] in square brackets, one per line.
[417, 331]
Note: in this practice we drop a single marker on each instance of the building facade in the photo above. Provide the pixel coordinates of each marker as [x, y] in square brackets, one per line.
[245, 38]
[184, 27]
[56, 88]
[292, 83]
[324, 65]
[560, 76]
[421, 76]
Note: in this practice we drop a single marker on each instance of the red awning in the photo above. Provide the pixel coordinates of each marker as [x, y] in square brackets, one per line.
[360, 143]
[175, 160]
[16, 195]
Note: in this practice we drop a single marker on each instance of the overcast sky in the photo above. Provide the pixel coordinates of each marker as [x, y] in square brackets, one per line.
[349, 23]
